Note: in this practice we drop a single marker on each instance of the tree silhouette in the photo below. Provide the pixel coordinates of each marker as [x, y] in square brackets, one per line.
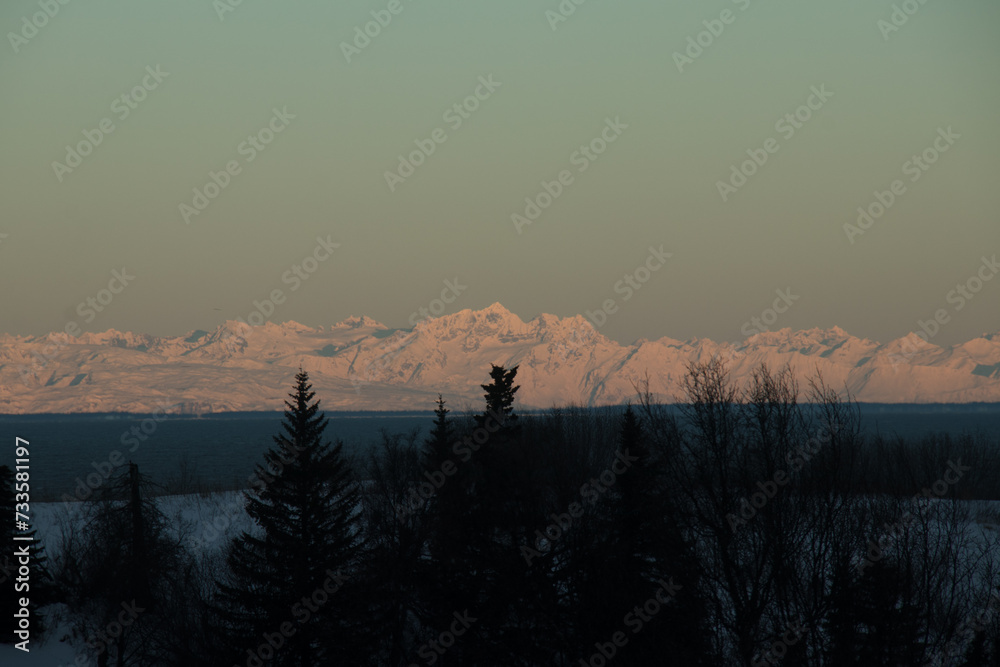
[290, 569]
[396, 573]
[38, 580]
[500, 397]
[125, 577]
[437, 447]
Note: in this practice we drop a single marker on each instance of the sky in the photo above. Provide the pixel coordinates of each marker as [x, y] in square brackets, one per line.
[216, 154]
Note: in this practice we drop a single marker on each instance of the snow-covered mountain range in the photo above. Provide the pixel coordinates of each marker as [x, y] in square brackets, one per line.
[360, 364]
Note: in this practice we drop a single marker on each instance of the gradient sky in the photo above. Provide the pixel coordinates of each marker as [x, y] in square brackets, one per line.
[656, 185]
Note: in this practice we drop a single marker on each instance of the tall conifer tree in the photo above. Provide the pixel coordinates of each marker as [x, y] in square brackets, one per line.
[305, 545]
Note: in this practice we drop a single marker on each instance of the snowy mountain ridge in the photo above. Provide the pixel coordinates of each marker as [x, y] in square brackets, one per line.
[362, 364]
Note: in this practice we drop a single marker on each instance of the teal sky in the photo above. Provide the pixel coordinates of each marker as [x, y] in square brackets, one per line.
[324, 174]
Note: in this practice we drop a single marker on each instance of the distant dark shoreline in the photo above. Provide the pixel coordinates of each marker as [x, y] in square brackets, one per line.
[866, 408]
[349, 414]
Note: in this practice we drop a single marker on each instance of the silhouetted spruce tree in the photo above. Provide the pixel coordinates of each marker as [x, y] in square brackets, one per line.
[500, 398]
[450, 581]
[306, 539]
[39, 589]
[437, 454]
[607, 570]
[491, 471]
[890, 623]
[682, 629]
[626, 551]
[123, 575]
[504, 508]
[437, 447]
[396, 574]
[499, 492]
[635, 485]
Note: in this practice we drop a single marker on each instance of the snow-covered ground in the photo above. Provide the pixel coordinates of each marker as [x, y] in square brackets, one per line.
[207, 522]
[203, 522]
[50, 654]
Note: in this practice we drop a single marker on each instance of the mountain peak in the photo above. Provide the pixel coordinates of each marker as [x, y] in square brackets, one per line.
[113, 337]
[815, 335]
[495, 315]
[355, 322]
[495, 308]
[910, 345]
[234, 326]
[361, 363]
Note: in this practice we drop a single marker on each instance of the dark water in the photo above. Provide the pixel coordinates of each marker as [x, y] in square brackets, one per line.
[222, 449]
[219, 450]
